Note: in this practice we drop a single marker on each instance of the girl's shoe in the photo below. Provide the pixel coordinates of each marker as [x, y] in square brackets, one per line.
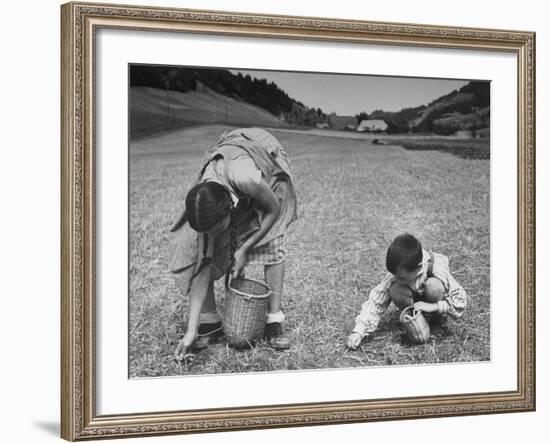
[275, 336]
[209, 333]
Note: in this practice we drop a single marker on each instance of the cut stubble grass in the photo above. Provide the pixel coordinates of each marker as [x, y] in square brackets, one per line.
[354, 197]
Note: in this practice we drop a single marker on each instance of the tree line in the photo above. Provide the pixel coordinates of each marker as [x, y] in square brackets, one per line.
[258, 92]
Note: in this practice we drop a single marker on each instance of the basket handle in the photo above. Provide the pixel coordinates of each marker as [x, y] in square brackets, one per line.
[245, 296]
[229, 278]
[409, 313]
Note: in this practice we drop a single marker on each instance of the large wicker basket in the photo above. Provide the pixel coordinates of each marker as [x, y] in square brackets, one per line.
[245, 311]
[415, 325]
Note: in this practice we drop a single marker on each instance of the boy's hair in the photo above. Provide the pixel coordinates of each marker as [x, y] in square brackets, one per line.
[405, 251]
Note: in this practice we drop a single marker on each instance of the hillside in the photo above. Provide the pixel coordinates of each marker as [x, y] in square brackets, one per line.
[153, 110]
[237, 88]
[164, 97]
[477, 121]
[466, 109]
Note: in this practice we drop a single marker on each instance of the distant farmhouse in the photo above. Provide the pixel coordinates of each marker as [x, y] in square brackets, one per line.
[372, 126]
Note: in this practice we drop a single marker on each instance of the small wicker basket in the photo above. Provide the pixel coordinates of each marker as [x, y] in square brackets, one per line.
[245, 311]
[415, 325]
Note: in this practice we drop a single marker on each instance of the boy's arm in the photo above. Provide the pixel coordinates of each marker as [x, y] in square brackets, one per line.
[455, 299]
[371, 311]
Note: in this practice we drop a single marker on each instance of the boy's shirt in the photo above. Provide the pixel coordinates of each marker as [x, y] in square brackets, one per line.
[453, 303]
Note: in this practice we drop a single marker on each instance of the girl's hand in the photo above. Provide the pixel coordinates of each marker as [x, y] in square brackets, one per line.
[354, 340]
[426, 307]
[240, 262]
[183, 346]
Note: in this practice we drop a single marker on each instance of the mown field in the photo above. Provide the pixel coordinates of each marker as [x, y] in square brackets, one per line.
[354, 197]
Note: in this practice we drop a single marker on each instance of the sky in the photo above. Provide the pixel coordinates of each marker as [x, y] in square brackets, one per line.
[351, 94]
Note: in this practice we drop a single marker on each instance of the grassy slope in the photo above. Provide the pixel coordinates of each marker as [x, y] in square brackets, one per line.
[447, 104]
[153, 110]
[354, 198]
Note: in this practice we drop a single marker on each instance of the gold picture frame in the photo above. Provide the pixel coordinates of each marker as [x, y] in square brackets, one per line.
[80, 21]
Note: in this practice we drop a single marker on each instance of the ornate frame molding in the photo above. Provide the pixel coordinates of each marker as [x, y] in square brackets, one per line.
[79, 23]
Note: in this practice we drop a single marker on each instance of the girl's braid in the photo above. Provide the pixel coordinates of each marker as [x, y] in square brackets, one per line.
[233, 246]
[205, 261]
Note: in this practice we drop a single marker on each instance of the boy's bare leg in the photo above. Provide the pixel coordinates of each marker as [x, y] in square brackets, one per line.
[434, 291]
[401, 295]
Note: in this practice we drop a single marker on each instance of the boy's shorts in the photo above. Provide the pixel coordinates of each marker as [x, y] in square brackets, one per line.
[417, 296]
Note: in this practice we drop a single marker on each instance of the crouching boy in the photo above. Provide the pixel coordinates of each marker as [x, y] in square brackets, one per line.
[416, 277]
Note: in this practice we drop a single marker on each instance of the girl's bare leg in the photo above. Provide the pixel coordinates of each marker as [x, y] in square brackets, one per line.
[197, 298]
[274, 277]
[210, 326]
[210, 300]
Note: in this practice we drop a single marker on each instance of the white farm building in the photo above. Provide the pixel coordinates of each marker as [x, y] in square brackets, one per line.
[372, 126]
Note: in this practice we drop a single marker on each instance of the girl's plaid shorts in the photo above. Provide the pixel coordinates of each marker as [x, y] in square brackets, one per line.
[271, 253]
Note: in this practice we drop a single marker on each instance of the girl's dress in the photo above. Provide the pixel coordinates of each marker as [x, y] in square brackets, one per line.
[238, 161]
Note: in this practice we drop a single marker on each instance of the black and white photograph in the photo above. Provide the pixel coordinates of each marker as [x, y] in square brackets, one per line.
[279, 221]
[286, 221]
